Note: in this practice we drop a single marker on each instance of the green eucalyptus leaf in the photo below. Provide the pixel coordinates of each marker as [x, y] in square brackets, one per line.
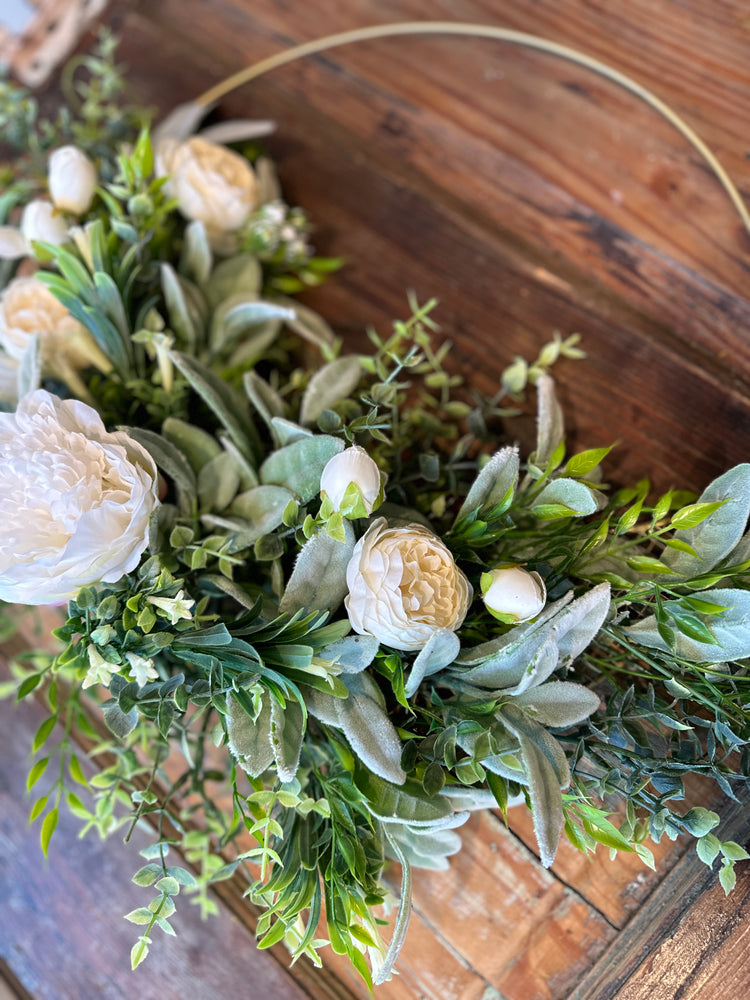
[574, 496]
[120, 723]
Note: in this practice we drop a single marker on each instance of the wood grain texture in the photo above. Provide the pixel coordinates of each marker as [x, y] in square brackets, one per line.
[689, 942]
[62, 931]
[529, 196]
[524, 192]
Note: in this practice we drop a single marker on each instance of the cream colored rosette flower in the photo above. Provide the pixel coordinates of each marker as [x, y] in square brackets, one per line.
[212, 184]
[512, 594]
[72, 180]
[29, 309]
[404, 586]
[75, 500]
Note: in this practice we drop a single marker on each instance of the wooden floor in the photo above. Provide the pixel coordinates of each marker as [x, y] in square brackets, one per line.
[530, 196]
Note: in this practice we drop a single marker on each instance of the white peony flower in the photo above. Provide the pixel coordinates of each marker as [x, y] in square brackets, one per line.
[72, 180]
[352, 480]
[212, 184]
[513, 594]
[404, 586]
[41, 222]
[75, 500]
[28, 309]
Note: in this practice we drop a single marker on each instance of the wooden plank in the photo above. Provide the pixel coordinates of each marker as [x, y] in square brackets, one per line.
[689, 941]
[528, 934]
[62, 932]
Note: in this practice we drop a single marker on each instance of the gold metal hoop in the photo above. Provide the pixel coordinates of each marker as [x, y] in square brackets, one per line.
[498, 34]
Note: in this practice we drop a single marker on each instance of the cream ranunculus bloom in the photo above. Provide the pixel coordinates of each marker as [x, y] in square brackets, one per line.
[212, 184]
[72, 180]
[404, 586]
[28, 309]
[75, 500]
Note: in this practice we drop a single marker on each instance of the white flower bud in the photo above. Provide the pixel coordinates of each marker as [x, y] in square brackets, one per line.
[72, 180]
[40, 223]
[352, 471]
[513, 594]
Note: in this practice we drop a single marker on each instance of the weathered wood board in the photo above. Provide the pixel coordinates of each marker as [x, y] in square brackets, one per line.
[528, 195]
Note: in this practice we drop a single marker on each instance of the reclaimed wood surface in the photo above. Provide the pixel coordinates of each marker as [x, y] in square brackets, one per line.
[530, 196]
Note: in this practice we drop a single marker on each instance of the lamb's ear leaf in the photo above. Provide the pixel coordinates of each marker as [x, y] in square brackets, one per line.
[558, 703]
[287, 732]
[407, 803]
[318, 580]
[543, 780]
[550, 426]
[716, 535]
[329, 385]
[496, 481]
[250, 739]
[730, 629]
[402, 918]
[353, 653]
[439, 652]
[370, 732]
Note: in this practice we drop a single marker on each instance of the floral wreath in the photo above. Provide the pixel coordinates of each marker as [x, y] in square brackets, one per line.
[319, 577]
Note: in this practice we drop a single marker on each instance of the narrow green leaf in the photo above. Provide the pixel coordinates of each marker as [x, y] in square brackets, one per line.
[43, 732]
[36, 772]
[38, 808]
[580, 465]
[48, 828]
